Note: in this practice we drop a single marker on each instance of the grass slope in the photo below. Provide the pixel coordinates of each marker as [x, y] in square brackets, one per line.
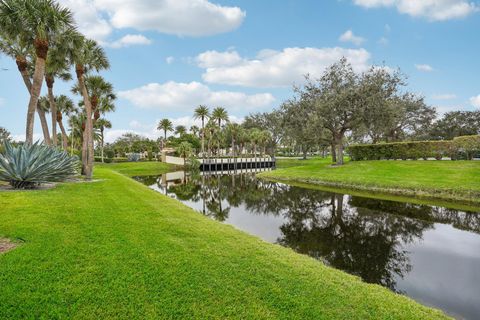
[116, 249]
[447, 180]
[140, 168]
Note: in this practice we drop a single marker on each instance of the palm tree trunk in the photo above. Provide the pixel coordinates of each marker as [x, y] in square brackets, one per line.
[87, 160]
[203, 136]
[22, 65]
[101, 147]
[64, 135]
[41, 48]
[53, 109]
[43, 121]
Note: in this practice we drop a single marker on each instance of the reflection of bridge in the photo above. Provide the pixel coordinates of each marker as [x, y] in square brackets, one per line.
[233, 164]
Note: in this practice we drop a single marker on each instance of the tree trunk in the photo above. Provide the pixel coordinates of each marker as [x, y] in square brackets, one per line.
[339, 143]
[53, 108]
[41, 49]
[64, 135]
[203, 136]
[87, 161]
[102, 142]
[44, 123]
[334, 152]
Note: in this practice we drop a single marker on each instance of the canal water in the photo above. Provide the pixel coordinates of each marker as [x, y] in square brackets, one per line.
[429, 253]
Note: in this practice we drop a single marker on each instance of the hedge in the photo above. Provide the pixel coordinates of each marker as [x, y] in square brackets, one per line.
[460, 147]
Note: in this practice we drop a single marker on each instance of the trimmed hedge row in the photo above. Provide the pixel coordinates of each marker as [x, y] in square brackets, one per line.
[460, 147]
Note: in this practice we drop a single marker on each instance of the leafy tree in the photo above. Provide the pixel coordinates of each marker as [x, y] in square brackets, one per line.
[4, 135]
[184, 149]
[273, 122]
[456, 123]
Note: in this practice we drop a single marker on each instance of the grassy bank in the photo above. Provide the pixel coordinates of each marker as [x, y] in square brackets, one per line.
[116, 249]
[457, 181]
[140, 168]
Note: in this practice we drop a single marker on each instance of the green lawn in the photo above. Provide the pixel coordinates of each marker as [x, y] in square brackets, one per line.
[447, 180]
[116, 249]
[138, 168]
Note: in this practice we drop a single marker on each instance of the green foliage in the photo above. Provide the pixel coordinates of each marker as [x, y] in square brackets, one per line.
[27, 166]
[110, 153]
[417, 149]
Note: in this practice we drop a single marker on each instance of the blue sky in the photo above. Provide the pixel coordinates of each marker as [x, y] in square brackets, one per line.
[169, 56]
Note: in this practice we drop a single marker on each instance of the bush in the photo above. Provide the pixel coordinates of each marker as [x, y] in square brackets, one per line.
[119, 159]
[469, 145]
[27, 166]
[110, 153]
[416, 149]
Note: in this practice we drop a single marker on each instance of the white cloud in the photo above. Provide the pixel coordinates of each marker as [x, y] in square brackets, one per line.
[175, 96]
[130, 40]
[98, 18]
[209, 59]
[170, 60]
[273, 68]
[475, 101]
[444, 96]
[21, 137]
[349, 36]
[90, 20]
[424, 67]
[433, 10]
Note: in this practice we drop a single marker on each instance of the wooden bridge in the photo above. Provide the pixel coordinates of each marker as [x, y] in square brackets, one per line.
[233, 164]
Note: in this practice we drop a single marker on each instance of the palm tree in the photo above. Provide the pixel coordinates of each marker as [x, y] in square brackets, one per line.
[102, 124]
[37, 22]
[57, 67]
[180, 130]
[87, 55]
[43, 107]
[184, 149]
[219, 114]
[19, 50]
[202, 112]
[165, 125]
[194, 130]
[65, 106]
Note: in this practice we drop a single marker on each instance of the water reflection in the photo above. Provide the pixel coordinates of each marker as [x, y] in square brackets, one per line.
[383, 242]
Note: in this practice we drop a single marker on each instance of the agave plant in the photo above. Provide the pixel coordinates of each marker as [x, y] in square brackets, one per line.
[29, 165]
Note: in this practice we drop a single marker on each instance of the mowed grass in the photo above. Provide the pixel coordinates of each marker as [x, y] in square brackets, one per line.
[139, 168]
[448, 180]
[114, 249]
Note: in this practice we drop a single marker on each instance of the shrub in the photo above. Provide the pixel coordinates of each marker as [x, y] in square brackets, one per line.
[469, 145]
[29, 165]
[110, 154]
[415, 149]
[150, 155]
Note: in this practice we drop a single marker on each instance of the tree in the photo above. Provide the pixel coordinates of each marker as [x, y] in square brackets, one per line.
[4, 135]
[184, 149]
[66, 107]
[180, 130]
[454, 124]
[233, 131]
[273, 122]
[219, 114]
[102, 124]
[87, 55]
[165, 125]
[202, 112]
[37, 22]
[194, 130]
[43, 107]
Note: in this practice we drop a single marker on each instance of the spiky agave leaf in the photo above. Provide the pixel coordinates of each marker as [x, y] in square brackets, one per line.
[29, 165]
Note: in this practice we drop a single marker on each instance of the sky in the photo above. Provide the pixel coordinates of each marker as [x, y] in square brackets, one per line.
[169, 56]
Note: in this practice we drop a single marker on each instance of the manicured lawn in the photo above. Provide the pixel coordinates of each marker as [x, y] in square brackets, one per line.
[116, 249]
[138, 168]
[448, 180]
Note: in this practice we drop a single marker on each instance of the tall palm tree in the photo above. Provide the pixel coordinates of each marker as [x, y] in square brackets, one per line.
[220, 114]
[102, 124]
[180, 130]
[20, 50]
[233, 130]
[87, 55]
[202, 112]
[65, 106]
[43, 107]
[57, 67]
[37, 22]
[165, 125]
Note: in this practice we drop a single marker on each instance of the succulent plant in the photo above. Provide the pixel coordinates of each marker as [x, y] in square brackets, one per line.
[27, 166]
